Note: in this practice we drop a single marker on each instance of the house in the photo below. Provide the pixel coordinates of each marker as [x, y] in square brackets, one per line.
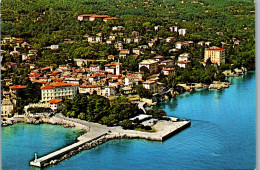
[169, 39]
[136, 51]
[178, 45]
[183, 64]
[118, 28]
[216, 55]
[94, 39]
[111, 57]
[10, 65]
[119, 45]
[7, 108]
[156, 28]
[201, 43]
[135, 34]
[109, 91]
[151, 85]
[182, 32]
[94, 68]
[123, 53]
[207, 43]
[114, 68]
[128, 40]
[159, 58]
[174, 29]
[91, 89]
[16, 88]
[80, 62]
[237, 42]
[151, 43]
[152, 65]
[92, 17]
[167, 63]
[112, 36]
[54, 47]
[132, 79]
[56, 105]
[114, 19]
[59, 90]
[168, 71]
[184, 57]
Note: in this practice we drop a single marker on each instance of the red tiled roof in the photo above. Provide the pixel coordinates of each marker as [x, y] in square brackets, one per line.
[216, 49]
[59, 84]
[57, 79]
[38, 81]
[90, 86]
[92, 65]
[52, 101]
[112, 18]
[184, 62]
[112, 75]
[148, 82]
[168, 69]
[18, 87]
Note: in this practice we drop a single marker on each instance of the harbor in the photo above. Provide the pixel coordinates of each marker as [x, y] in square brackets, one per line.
[98, 134]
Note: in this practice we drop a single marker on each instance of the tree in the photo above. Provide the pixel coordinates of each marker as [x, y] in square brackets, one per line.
[143, 92]
[127, 124]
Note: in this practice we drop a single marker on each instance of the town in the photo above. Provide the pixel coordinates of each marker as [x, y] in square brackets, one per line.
[126, 70]
[105, 77]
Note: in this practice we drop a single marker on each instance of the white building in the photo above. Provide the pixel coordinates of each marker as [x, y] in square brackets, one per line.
[7, 108]
[56, 104]
[184, 57]
[94, 68]
[58, 91]
[182, 32]
[152, 65]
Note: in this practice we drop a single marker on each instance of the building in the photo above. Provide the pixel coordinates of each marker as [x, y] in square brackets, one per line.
[168, 71]
[92, 17]
[151, 85]
[133, 79]
[94, 39]
[184, 57]
[7, 108]
[94, 68]
[59, 91]
[183, 64]
[56, 105]
[114, 68]
[14, 89]
[90, 89]
[152, 65]
[182, 32]
[216, 55]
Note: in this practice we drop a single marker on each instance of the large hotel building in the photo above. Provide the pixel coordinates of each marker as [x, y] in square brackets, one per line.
[216, 55]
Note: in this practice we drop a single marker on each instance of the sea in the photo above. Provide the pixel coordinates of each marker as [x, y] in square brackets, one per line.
[222, 135]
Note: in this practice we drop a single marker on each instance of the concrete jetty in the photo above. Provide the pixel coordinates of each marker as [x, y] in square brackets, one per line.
[98, 134]
[52, 156]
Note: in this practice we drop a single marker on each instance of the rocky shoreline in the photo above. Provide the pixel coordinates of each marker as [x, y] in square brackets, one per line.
[36, 120]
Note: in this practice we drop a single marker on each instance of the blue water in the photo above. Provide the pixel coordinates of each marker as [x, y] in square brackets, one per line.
[222, 136]
[20, 142]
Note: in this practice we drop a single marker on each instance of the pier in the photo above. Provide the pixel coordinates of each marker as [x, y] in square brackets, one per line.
[98, 134]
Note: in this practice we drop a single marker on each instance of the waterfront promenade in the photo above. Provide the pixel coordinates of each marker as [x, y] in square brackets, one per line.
[98, 134]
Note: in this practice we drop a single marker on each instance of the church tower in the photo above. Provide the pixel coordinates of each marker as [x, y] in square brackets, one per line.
[118, 68]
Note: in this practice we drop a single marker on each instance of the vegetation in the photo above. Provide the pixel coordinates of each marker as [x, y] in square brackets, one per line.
[43, 23]
[99, 109]
[143, 92]
[156, 113]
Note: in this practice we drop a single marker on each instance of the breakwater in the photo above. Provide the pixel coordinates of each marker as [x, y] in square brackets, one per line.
[99, 134]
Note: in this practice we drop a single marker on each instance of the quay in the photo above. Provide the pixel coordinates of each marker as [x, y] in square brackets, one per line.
[98, 134]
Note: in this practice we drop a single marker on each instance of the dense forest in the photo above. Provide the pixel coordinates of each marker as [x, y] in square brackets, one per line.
[43, 23]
